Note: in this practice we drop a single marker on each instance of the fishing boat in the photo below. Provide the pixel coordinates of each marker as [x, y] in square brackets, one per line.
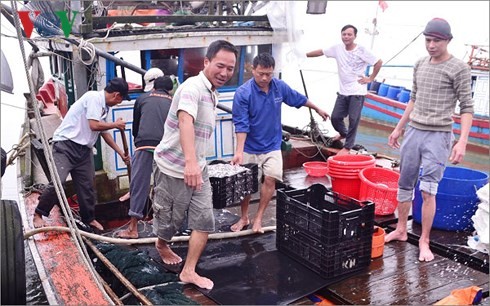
[125, 39]
[385, 103]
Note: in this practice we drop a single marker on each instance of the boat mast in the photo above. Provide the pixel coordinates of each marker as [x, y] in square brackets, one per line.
[374, 32]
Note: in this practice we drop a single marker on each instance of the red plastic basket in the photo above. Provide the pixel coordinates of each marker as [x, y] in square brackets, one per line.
[380, 186]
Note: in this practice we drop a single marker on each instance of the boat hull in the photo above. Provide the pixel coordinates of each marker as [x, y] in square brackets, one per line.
[387, 112]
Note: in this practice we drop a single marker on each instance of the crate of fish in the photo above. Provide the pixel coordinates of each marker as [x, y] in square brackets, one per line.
[327, 232]
[231, 183]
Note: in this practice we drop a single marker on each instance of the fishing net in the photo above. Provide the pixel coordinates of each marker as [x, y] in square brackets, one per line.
[142, 271]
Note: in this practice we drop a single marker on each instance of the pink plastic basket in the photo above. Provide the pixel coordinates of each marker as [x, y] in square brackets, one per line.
[316, 168]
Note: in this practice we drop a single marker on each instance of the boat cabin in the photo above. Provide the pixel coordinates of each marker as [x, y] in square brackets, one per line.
[133, 44]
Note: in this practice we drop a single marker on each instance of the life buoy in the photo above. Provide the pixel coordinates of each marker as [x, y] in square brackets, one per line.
[12, 255]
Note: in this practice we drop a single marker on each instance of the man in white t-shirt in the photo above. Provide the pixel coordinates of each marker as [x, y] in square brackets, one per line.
[73, 143]
[352, 61]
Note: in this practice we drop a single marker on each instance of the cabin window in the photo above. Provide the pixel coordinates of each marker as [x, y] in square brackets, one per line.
[250, 53]
[165, 60]
[134, 79]
[193, 61]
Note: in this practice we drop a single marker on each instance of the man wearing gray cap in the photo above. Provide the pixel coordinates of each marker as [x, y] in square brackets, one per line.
[439, 81]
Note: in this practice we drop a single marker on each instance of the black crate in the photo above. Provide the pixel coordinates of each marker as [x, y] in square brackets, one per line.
[329, 233]
[231, 189]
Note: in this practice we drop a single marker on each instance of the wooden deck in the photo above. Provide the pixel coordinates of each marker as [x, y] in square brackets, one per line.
[397, 277]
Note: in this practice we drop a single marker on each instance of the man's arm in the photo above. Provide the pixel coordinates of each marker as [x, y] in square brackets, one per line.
[376, 69]
[315, 53]
[240, 145]
[110, 141]
[393, 138]
[319, 111]
[459, 149]
[372, 77]
[104, 126]
[192, 171]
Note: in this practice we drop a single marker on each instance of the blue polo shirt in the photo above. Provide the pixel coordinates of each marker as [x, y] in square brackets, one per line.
[259, 114]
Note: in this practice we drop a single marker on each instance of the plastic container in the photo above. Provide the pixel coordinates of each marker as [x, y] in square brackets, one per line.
[393, 92]
[404, 96]
[344, 173]
[378, 243]
[383, 89]
[380, 186]
[316, 168]
[351, 161]
[325, 231]
[231, 189]
[456, 199]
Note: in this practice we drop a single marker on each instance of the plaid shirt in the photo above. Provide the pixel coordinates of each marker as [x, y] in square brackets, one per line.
[435, 92]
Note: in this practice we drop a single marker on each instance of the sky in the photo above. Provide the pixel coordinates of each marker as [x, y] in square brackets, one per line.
[398, 25]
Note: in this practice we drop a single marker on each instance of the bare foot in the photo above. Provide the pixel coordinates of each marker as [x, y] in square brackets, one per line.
[168, 256]
[196, 279]
[344, 151]
[38, 221]
[396, 236]
[125, 197]
[425, 252]
[257, 227]
[128, 233]
[241, 224]
[97, 225]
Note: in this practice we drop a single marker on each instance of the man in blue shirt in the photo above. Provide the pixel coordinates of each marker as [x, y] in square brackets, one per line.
[257, 119]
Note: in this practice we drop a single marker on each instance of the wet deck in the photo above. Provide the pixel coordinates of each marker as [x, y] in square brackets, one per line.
[397, 277]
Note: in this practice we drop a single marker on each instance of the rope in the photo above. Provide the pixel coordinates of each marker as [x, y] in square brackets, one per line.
[19, 148]
[403, 48]
[149, 288]
[213, 236]
[89, 50]
[75, 232]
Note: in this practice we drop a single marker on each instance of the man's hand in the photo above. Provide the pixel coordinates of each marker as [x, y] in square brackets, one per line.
[237, 158]
[193, 175]
[323, 114]
[364, 80]
[126, 158]
[120, 124]
[458, 152]
[393, 139]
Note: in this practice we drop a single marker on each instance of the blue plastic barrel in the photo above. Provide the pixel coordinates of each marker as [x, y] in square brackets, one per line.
[456, 199]
[393, 92]
[383, 89]
[404, 96]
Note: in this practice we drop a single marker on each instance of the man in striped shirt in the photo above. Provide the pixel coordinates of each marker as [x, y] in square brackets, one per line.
[181, 177]
[439, 81]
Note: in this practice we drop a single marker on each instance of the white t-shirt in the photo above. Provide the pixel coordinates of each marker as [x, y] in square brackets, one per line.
[351, 66]
[75, 126]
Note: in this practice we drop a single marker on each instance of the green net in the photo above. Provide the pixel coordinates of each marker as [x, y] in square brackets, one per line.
[142, 272]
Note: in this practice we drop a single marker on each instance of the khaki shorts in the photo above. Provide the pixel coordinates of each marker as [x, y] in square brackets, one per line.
[270, 164]
[173, 200]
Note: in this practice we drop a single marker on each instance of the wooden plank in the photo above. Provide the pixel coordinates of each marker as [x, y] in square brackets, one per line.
[399, 278]
[62, 261]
